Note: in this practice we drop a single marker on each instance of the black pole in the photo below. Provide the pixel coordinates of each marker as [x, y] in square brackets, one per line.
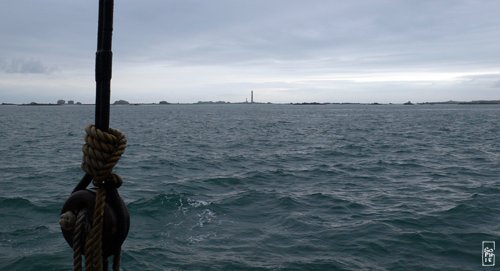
[80, 195]
[103, 64]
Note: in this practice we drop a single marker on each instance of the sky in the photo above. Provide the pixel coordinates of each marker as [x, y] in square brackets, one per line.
[284, 50]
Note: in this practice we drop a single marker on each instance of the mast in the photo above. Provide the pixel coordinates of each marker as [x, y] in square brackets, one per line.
[103, 63]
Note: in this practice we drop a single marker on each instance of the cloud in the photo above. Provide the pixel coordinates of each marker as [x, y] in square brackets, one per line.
[20, 65]
[424, 34]
[213, 47]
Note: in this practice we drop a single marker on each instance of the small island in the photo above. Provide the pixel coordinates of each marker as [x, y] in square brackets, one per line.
[58, 103]
[121, 102]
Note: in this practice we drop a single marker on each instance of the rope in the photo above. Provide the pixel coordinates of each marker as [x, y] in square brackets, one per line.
[93, 242]
[77, 240]
[101, 152]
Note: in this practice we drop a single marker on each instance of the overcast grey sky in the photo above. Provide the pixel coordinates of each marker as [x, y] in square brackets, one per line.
[284, 50]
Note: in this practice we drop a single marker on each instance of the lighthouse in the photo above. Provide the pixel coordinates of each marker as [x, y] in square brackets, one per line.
[251, 96]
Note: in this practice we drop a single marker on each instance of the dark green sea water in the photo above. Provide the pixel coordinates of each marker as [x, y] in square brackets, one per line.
[264, 187]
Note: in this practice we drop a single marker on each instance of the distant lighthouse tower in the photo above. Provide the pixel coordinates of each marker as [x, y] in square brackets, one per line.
[251, 97]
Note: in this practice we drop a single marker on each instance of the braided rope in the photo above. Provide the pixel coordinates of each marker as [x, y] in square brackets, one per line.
[101, 152]
[93, 242]
[77, 240]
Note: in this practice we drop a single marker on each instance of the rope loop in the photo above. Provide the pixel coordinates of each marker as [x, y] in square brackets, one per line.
[101, 152]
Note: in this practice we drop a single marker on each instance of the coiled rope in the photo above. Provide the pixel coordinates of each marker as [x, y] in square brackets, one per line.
[101, 152]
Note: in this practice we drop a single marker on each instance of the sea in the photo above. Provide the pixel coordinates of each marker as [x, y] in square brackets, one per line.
[265, 186]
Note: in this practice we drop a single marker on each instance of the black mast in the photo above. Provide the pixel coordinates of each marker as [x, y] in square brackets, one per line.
[103, 64]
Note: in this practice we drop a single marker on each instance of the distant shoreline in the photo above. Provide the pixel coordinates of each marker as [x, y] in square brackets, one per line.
[478, 102]
[481, 102]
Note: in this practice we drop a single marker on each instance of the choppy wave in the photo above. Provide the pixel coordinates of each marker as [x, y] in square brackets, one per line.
[264, 187]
